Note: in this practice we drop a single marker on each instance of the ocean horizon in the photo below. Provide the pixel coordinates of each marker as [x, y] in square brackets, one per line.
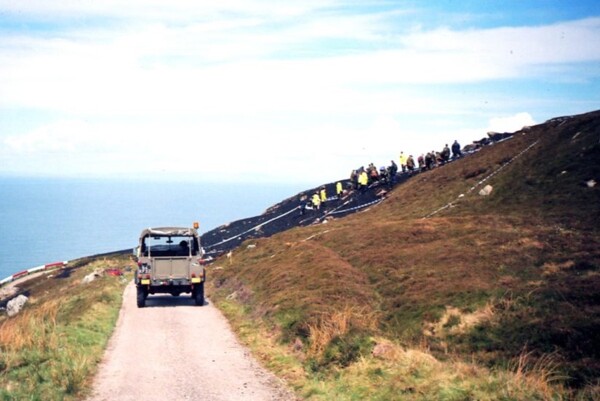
[46, 220]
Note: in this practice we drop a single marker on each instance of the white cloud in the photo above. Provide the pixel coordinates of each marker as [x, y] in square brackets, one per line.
[172, 10]
[233, 88]
[205, 68]
[58, 137]
[427, 57]
[508, 52]
[510, 123]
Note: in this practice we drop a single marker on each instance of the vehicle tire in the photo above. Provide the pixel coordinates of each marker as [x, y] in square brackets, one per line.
[198, 294]
[141, 297]
[175, 294]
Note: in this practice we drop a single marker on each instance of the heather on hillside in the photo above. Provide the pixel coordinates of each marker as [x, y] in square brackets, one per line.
[506, 283]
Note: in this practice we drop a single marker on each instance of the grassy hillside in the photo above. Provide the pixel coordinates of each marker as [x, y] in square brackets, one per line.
[490, 298]
[50, 350]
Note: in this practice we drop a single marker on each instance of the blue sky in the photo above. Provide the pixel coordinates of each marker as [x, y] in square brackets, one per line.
[249, 90]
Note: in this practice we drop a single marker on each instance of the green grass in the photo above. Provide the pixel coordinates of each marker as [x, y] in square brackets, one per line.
[398, 374]
[50, 350]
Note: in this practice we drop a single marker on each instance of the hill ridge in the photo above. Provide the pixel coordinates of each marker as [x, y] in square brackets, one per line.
[494, 280]
[228, 236]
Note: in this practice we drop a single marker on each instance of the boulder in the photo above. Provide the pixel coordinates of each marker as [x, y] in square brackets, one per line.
[92, 276]
[15, 305]
[8, 291]
[88, 279]
[485, 191]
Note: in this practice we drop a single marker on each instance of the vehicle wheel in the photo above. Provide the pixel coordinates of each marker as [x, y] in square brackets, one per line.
[198, 294]
[175, 294]
[141, 297]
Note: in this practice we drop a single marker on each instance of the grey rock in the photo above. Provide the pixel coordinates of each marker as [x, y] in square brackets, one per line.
[15, 305]
[485, 191]
[88, 279]
[92, 276]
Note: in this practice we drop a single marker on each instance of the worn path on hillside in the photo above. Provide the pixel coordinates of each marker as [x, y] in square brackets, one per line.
[174, 350]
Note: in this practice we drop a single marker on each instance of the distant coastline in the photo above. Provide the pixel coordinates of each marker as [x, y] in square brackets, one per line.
[43, 220]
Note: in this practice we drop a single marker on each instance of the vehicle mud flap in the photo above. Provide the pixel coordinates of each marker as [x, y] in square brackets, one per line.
[198, 294]
[141, 296]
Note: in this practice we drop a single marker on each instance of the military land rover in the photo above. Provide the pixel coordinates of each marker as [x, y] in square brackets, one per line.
[170, 262]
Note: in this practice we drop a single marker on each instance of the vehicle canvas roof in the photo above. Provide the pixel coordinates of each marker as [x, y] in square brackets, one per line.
[168, 231]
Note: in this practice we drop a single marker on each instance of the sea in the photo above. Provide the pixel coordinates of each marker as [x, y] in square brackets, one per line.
[47, 220]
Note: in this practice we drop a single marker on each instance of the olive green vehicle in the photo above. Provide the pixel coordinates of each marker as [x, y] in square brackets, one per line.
[169, 262]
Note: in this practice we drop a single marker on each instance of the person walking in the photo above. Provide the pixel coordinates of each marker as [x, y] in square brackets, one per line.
[403, 159]
[323, 194]
[429, 160]
[392, 171]
[316, 201]
[363, 181]
[410, 164]
[446, 154]
[421, 161]
[354, 179]
[303, 204]
[456, 153]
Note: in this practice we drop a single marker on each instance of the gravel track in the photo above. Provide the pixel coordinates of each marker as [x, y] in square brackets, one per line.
[174, 350]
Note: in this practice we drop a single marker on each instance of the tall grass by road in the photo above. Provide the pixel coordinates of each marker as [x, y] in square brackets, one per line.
[50, 350]
[383, 370]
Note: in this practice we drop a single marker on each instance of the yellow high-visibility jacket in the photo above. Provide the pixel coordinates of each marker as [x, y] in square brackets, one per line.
[403, 159]
[363, 178]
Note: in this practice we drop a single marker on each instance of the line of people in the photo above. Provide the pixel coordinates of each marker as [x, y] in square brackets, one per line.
[362, 178]
[319, 197]
[429, 160]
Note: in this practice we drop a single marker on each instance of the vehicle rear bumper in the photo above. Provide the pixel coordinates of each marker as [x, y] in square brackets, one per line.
[169, 289]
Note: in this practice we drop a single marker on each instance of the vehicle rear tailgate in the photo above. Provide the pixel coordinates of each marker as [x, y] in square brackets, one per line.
[171, 268]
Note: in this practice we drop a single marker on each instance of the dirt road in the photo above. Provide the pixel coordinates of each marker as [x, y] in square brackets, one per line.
[173, 350]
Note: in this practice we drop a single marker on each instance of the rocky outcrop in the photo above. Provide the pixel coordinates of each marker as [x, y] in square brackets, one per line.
[15, 305]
